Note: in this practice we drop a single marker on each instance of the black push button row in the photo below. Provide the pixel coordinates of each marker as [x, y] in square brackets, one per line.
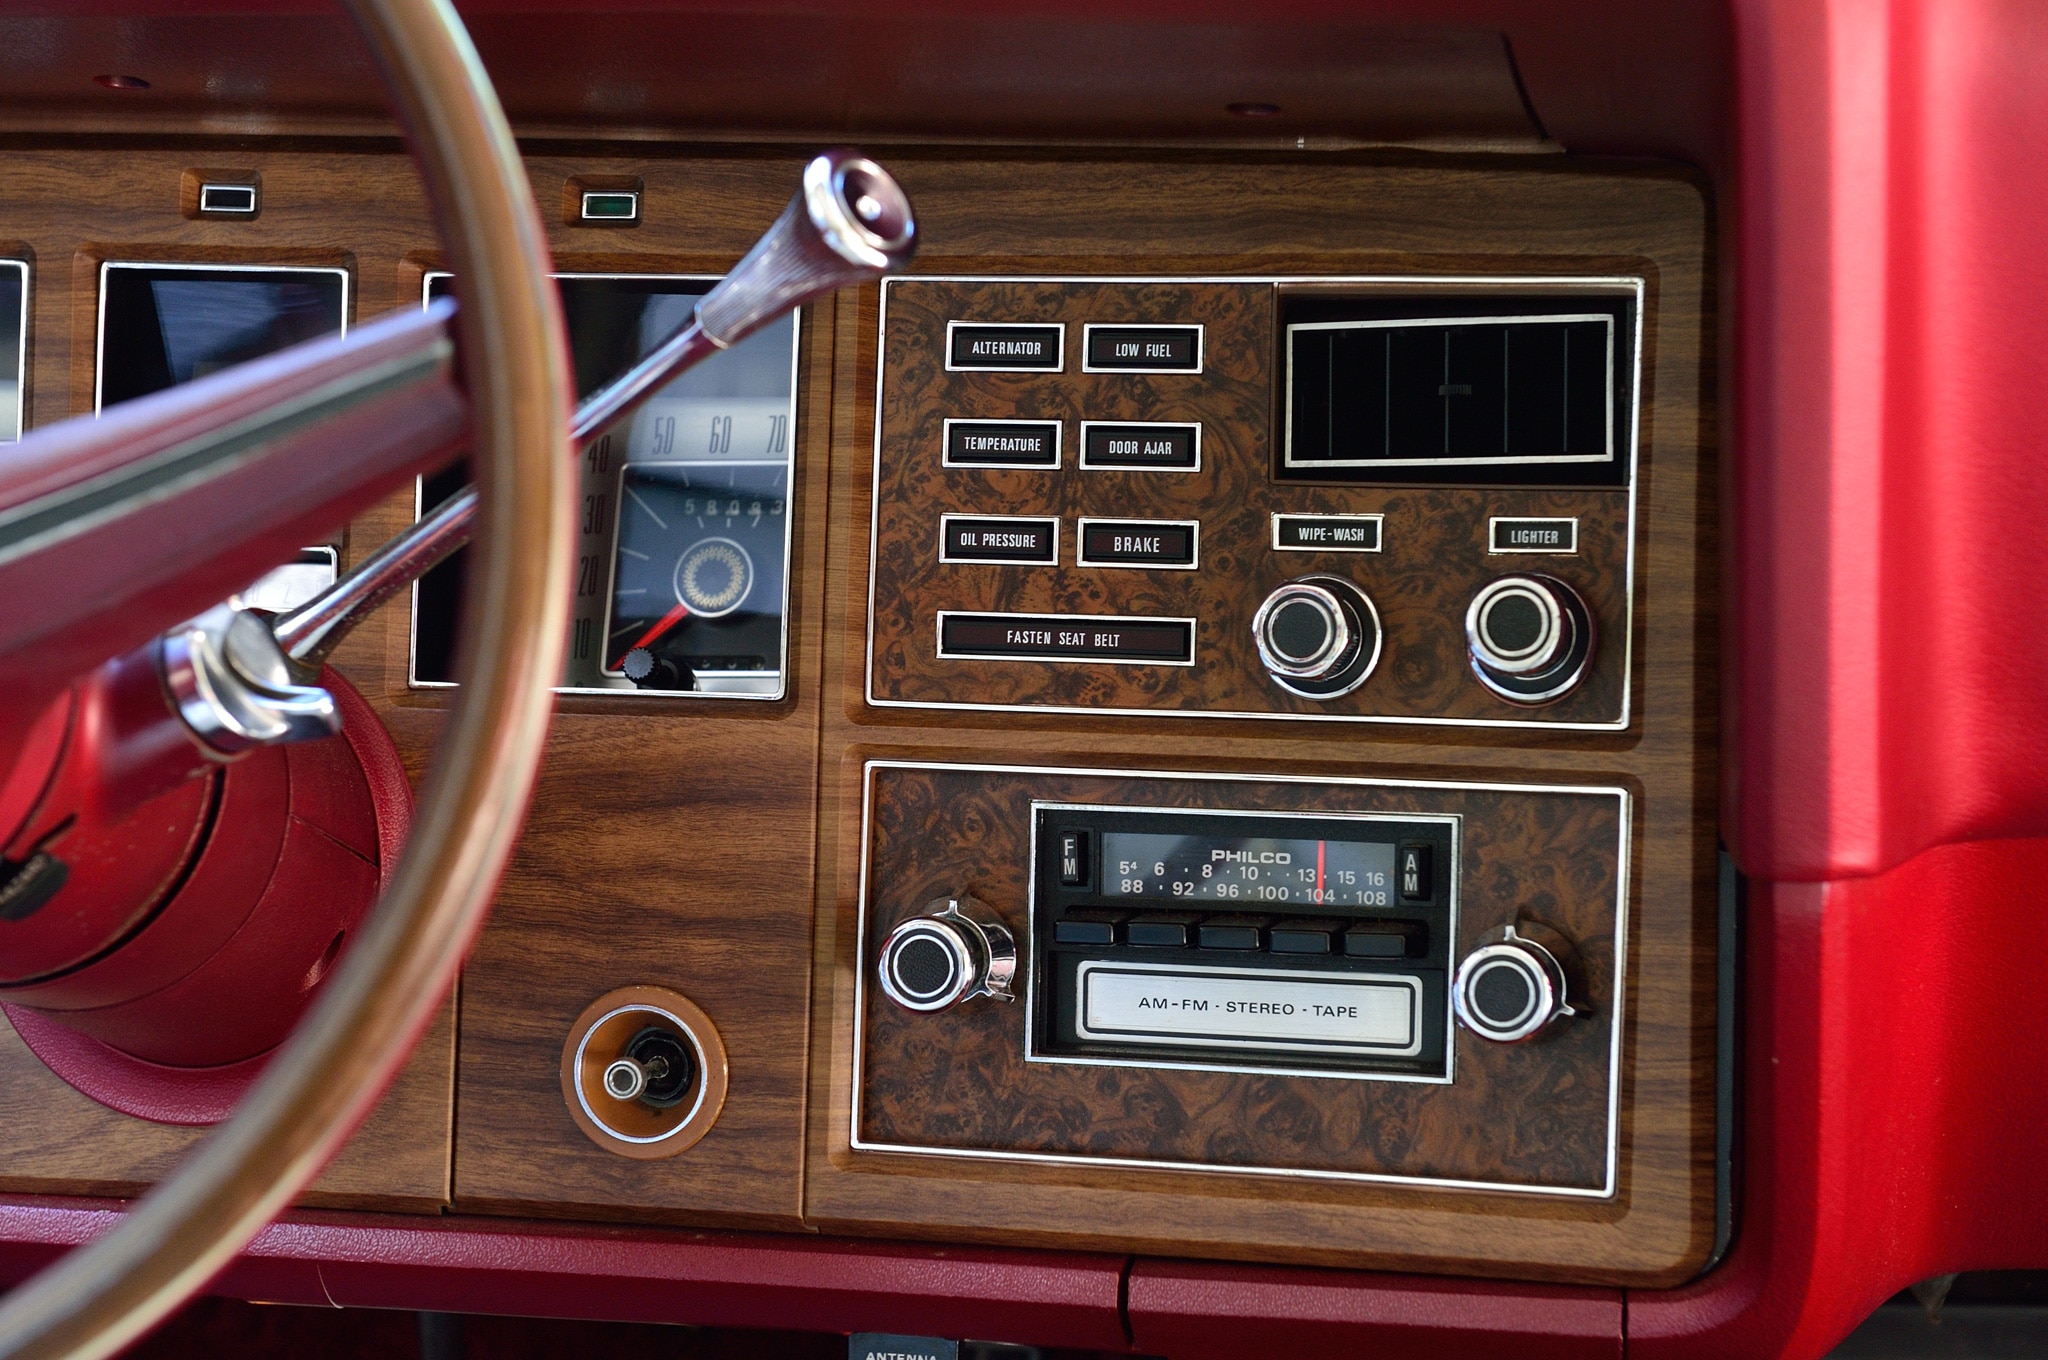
[1141, 349]
[1005, 347]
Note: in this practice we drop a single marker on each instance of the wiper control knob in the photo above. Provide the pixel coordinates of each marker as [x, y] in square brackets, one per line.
[1318, 636]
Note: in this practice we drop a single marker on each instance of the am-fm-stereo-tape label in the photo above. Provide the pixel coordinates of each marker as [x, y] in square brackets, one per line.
[1249, 1008]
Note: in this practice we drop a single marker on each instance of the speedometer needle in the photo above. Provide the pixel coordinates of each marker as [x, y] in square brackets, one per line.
[662, 625]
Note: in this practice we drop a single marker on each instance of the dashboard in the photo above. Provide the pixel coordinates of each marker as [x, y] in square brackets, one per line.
[1191, 738]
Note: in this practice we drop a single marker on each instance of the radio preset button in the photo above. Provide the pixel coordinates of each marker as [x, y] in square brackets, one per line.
[1303, 937]
[1087, 926]
[1394, 940]
[1162, 930]
[1232, 932]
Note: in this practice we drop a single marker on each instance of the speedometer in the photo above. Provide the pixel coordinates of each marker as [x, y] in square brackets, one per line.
[697, 585]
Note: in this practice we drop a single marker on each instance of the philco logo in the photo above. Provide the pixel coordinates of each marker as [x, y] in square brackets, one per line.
[1252, 856]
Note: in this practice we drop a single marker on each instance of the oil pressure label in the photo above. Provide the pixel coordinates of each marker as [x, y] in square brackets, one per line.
[1249, 1008]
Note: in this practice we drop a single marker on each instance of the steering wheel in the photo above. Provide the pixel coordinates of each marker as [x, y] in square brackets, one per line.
[326, 1079]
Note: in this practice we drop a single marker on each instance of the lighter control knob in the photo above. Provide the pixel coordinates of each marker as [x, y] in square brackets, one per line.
[1509, 990]
[1318, 637]
[1530, 637]
[957, 950]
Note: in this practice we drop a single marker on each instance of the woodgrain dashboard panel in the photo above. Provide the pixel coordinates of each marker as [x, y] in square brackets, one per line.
[1532, 1116]
[714, 848]
[1434, 548]
[1042, 218]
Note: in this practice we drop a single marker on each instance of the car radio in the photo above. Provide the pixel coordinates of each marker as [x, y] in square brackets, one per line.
[1242, 939]
[1378, 979]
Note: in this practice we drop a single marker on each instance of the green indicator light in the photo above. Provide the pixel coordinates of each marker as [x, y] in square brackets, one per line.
[611, 207]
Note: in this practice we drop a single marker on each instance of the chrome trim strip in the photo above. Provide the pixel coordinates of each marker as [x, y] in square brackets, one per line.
[1618, 1011]
[1201, 345]
[939, 637]
[1193, 526]
[1051, 561]
[1060, 366]
[1081, 459]
[20, 358]
[946, 443]
[796, 350]
[1393, 283]
[1402, 323]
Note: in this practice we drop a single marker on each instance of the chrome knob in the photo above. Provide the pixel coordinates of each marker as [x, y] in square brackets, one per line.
[1530, 637]
[957, 950]
[1318, 637]
[1508, 990]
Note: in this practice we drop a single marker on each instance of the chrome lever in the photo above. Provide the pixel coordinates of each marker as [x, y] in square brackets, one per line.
[848, 223]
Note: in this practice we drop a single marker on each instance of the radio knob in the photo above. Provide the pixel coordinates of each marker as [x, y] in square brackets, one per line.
[1508, 990]
[1318, 636]
[957, 950]
[1530, 638]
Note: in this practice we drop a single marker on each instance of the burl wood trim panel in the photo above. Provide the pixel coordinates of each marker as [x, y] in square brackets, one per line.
[1041, 216]
[1531, 1115]
[1433, 555]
